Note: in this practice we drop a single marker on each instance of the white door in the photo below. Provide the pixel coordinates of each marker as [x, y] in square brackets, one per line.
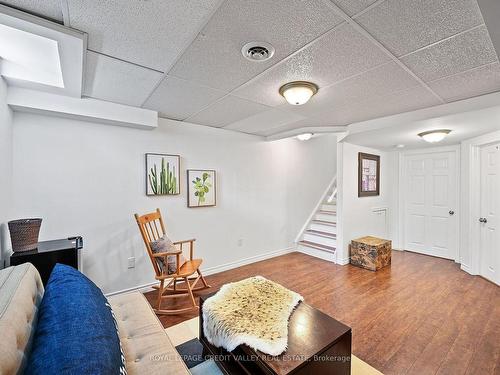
[430, 204]
[490, 209]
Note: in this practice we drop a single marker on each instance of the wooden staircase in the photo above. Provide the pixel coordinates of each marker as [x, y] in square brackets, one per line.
[319, 236]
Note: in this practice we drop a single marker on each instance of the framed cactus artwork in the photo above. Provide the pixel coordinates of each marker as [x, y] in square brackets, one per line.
[162, 174]
[201, 188]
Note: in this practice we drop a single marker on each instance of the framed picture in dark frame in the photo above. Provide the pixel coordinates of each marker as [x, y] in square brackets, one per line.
[368, 175]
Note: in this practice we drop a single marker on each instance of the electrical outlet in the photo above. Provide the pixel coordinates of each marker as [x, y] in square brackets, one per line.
[240, 242]
[131, 262]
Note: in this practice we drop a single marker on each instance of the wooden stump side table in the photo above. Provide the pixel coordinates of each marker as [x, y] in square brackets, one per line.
[370, 252]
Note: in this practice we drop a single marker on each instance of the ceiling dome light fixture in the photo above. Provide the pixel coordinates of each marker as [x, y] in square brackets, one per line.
[305, 136]
[298, 92]
[434, 136]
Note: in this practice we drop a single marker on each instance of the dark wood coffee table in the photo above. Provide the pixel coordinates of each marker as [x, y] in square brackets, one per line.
[317, 344]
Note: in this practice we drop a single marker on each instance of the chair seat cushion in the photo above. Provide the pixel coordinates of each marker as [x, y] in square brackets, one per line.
[76, 332]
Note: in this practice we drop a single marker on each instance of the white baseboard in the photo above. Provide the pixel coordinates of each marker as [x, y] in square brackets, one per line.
[213, 270]
[466, 268]
[243, 262]
[142, 288]
[343, 261]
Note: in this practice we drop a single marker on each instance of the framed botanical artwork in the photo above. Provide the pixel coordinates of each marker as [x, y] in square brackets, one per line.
[162, 174]
[368, 175]
[202, 187]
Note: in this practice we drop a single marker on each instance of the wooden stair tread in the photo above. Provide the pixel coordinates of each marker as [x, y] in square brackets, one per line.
[321, 233]
[326, 212]
[318, 246]
[323, 222]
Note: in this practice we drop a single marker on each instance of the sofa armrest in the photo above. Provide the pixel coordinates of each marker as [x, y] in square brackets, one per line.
[21, 291]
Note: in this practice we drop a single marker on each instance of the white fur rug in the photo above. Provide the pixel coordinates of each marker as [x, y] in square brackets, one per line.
[254, 311]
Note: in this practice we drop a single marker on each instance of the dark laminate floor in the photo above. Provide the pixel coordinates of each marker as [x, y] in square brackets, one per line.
[422, 315]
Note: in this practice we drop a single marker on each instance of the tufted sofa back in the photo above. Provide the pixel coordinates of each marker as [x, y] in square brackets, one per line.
[21, 292]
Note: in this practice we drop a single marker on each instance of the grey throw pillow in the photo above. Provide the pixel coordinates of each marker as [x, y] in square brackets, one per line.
[165, 245]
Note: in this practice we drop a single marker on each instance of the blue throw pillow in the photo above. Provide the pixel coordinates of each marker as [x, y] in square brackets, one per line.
[76, 331]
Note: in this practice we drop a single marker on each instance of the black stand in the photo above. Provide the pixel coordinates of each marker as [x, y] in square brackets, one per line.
[48, 253]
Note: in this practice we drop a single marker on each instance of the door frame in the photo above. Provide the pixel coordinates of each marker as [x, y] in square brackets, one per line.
[471, 199]
[402, 190]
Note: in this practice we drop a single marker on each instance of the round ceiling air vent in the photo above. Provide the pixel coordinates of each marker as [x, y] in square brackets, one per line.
[257, 51]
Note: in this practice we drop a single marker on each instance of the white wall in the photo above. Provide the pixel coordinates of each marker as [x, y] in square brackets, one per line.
[357, 216]
[310, 167]
[5, 170]
[88, 179]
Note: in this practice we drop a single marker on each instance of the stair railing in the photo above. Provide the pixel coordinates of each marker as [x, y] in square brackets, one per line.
[331, 197]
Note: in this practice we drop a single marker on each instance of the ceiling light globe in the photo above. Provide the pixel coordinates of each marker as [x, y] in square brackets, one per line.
[298, 92]
[298, 95]
[305, 136]
[434, 136]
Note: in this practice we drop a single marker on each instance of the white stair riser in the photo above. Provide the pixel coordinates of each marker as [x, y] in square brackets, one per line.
[323, 228]
[329, 207]
[320, 240]
[326, 217]
[317, 253]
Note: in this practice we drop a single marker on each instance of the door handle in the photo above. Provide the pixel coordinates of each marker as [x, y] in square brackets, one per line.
[483, 220]
[451, 212]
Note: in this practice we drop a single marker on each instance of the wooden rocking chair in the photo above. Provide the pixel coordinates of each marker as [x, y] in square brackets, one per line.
[152, 228]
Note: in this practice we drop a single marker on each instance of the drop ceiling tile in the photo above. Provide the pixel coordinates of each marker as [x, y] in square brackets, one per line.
[404, 26]
[398, 102]
[377, 82]
[215, 58]
[150, 33]
[177, 98]
[281, 129]
[352, 7]
[264, 121]
[340, 54]
[227, 111]
[453, 55]
[321, 119]
[47, 8]
[117, 81]
[478, 81]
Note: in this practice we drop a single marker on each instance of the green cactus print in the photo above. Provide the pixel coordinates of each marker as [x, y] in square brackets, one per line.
[164, 183]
